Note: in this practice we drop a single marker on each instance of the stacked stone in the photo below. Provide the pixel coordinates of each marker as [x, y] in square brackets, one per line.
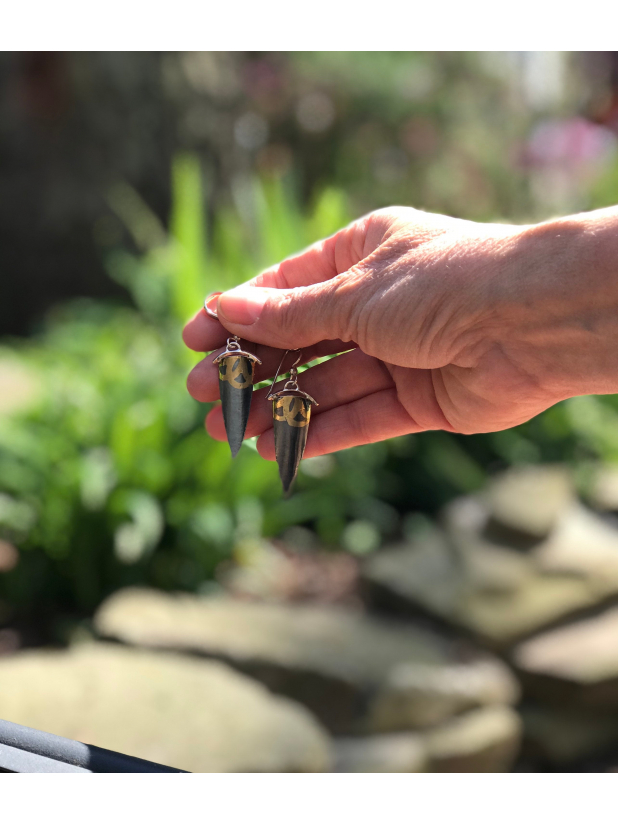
[526, 569]
[500, 651]
[346, 691]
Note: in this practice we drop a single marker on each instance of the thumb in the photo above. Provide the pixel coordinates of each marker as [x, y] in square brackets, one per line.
[289, 318]
[323, 288]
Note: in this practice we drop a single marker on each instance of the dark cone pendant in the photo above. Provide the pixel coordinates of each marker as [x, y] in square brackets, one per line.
[235, 390]
[236, 371]
[291, 415]
[291, 424]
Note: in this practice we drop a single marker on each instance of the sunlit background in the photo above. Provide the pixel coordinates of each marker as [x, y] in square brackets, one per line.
[436, 602]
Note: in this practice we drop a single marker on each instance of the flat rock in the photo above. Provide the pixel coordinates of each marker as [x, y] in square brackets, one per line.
[485, 566]
[529, 500]
[191, 714]
[578, 663]
[355, 672]
[582, 544]
[423, 571]
[497, 592]
[402, 752]
[418, 695]
[483, 740]
[419, 575]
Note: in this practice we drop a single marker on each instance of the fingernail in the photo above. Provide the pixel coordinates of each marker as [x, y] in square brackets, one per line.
[210, 304]
[243, 305]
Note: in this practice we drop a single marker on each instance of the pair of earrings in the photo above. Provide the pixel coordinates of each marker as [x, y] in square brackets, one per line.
[291, 406]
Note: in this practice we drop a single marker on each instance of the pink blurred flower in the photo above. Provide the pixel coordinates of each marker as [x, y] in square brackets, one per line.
[570, 142]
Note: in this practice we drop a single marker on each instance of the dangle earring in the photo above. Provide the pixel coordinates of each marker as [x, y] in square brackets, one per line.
[236, 372]
[291, 414]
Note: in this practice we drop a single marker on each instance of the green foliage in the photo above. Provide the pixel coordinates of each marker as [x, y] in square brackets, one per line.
[109, 478]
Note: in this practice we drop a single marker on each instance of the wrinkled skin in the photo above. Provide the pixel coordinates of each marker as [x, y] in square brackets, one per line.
[453, 325]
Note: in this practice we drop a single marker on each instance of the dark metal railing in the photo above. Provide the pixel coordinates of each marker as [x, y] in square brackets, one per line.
[24, 750]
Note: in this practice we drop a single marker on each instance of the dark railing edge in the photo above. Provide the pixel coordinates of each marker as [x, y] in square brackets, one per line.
[17, 740]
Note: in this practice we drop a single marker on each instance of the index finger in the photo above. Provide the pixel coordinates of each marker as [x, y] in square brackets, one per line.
[319, 262]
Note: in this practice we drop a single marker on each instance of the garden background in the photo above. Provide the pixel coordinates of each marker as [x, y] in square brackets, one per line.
[133, 184]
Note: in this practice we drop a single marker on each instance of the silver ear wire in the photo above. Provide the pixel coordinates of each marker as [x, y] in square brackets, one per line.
[294, 365]
[270, 395]
[290, 386]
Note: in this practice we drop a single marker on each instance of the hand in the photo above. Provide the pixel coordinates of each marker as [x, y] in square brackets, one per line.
[454, 325]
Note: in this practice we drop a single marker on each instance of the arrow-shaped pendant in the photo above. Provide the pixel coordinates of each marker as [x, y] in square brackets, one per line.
[236, 371]
[291, 415]
[291, 424]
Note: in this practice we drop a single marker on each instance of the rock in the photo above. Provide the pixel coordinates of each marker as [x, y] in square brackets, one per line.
[577, 664]
[496, 592]
[402, 752]
[604, 489]
[563, 737]
[528, 500]
[582, 544]
[483, 740]
[573, 569]
[423, 572]
[355, 672]
[195, 715]
[485, 565]
[417, 696]
[502, 620]
[457, 592]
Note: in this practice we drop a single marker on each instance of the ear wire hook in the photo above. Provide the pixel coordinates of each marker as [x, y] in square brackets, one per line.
[297, 361]
[290, 386]
[293, 372]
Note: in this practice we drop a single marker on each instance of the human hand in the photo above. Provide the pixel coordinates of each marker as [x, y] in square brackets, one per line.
[454, 325]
